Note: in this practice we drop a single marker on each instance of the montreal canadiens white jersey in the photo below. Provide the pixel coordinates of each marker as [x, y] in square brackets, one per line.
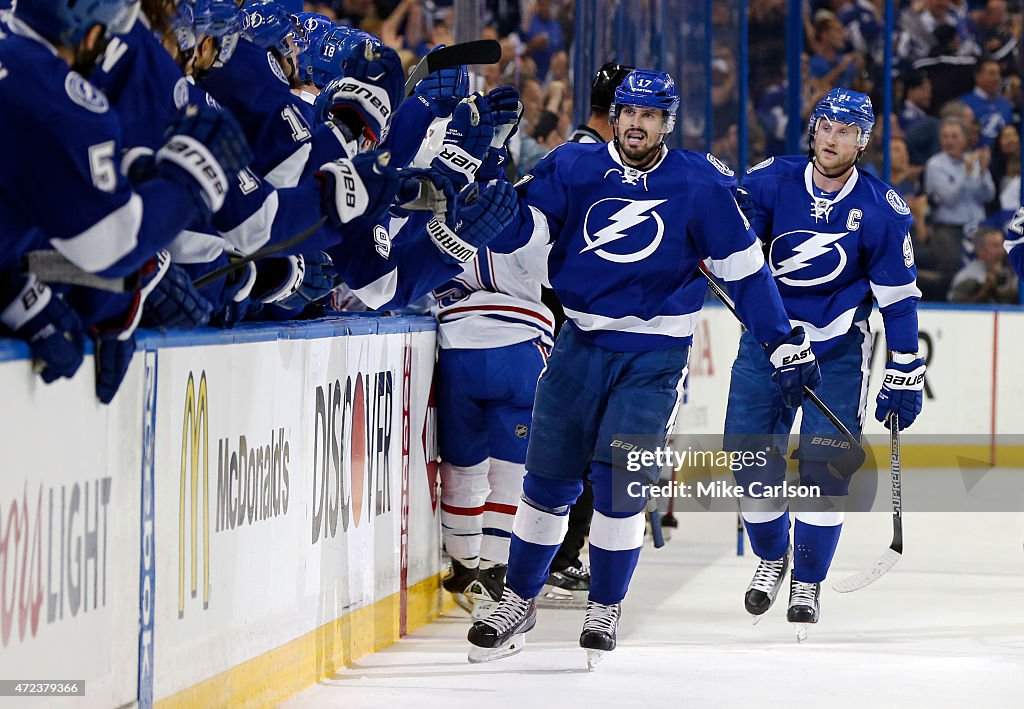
[627, 244]
[830, 253]
[495, 301]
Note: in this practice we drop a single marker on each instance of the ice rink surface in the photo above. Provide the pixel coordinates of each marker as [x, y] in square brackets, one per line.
[945, 628]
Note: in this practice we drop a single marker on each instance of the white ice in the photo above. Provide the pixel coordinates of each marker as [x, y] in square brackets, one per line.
[945, 628]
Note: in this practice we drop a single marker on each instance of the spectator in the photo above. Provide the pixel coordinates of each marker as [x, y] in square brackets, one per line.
[830, 64]
[906, 180]
[919, 23]
[923, 138]
[540, 142]
[958, 185]
[992, 110]
[1006, 169]
[951, 75]
[543, 36]
[988, 278]
[994, 33]
[917, 99]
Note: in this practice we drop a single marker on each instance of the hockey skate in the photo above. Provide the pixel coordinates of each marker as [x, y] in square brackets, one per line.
[599, 627]
[485, 591]
[567, 588]
[458, 581]
[803, 606]
[765, 585]
[503, 632]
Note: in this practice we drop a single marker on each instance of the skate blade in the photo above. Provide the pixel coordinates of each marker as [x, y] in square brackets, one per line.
[755, 619]
[554, 597]
[594, 658]
[514, 646]
[801, 631]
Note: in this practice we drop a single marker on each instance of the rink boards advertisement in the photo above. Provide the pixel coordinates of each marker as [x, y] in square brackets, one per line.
[282, 469]
[69, 533]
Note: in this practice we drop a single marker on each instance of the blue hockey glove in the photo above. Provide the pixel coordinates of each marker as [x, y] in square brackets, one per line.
[237, 291]
[902, 390]
[481, 213]
[442, 90]
[426, 189]
[466, 140]
[364, 186]
[507, 109]
[368, 93]
[205, 150]
[175, 303]
[114, 353]
[51, 328]
[295, 281]
[795, 366]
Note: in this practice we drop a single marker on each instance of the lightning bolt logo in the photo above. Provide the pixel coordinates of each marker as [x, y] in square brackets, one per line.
[633, 213]
[804, 254]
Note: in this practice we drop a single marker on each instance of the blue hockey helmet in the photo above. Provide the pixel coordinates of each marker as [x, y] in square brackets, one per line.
[269, 25]
[316, 28]
[67, 21]
[650, 89]
[220, 19]
[326, 59]
[844, 106]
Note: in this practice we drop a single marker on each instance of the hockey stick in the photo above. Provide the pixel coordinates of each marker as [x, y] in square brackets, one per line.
[657, 536]
[53, 267]
[846, 463]
[481, 51]
[895, 550]
[236, 264]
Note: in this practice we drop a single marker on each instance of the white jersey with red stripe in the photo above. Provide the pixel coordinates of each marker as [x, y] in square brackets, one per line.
[495, 301]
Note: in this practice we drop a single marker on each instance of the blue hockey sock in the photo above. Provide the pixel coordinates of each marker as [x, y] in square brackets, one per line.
[769, 538]
[538, 530]
[814, 544]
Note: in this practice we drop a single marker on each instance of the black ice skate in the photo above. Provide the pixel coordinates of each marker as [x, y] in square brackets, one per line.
[765, 585]
[567, 588]
[598, 636]
[486, 591]
[457, 582]
[803, 606]
[502, 633]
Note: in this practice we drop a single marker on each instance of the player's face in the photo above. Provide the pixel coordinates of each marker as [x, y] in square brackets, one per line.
[639, 132]
[835, 145]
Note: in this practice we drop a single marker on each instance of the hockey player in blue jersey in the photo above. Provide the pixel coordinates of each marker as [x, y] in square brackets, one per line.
[836, 237]
[629, 221]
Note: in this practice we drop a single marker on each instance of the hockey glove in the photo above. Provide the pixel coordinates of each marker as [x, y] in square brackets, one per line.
[175, 303]
[902, 390]
[507, 109]
[442, 90]
[466, 140]
[114, 353]
[238, 287]
[426, 190]
[295, 281]
[51, 328]
[483, 211]
[364, 186]
[205, 150]
[367, 94]
[795, 366]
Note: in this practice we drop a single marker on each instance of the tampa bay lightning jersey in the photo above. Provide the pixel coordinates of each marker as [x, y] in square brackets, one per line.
[831, 252]
[63, 122]
[626, 245]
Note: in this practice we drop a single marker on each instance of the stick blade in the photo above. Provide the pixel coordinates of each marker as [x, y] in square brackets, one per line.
[480, 51]
[869, 575]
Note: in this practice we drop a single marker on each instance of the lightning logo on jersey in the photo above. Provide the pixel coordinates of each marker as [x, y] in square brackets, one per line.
[801, 249]
[635, 219]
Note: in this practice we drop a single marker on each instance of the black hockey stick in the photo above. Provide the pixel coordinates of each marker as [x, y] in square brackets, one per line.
[849, 461]
[895, 550]
[238, 263]
[481, 51]
[657, 535]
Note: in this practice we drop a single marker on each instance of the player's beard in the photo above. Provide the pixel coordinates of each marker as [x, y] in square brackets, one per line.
[640, 157]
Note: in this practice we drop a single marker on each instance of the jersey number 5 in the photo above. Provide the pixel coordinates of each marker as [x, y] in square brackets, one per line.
[101, 165]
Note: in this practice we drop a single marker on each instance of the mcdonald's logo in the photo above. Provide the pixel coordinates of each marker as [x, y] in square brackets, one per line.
[194, 441]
